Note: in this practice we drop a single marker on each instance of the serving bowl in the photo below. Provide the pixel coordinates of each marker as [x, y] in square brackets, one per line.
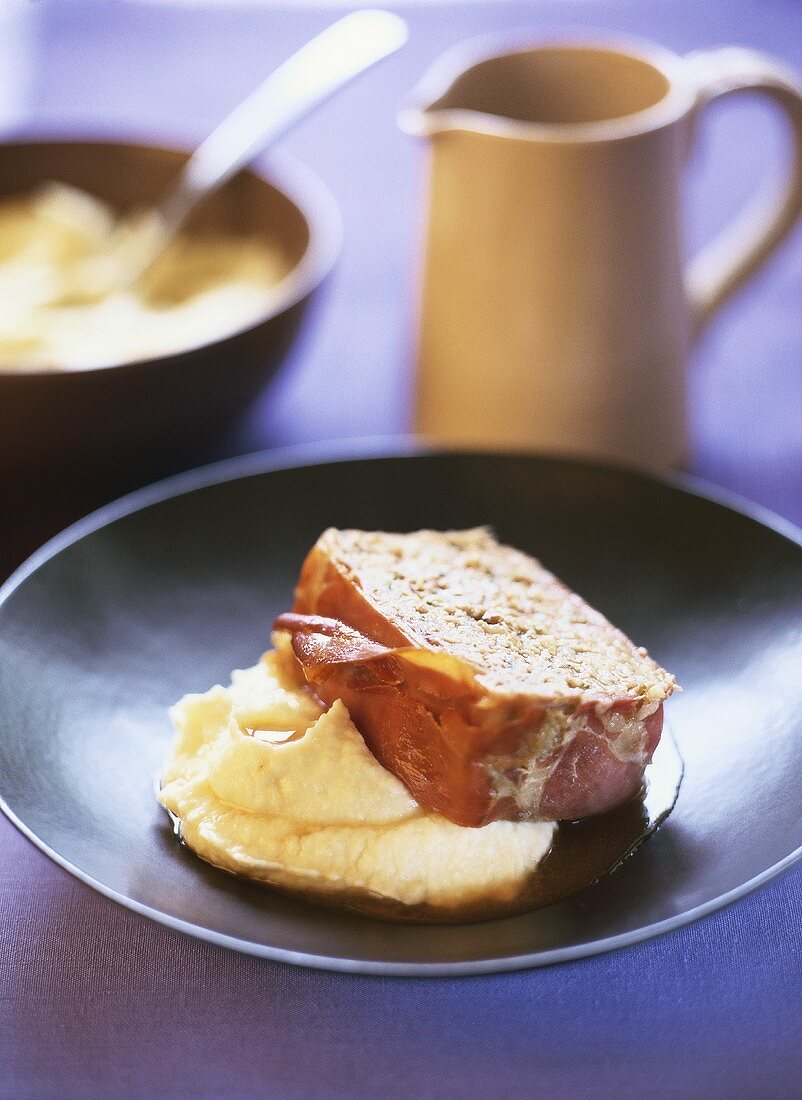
[121, 412]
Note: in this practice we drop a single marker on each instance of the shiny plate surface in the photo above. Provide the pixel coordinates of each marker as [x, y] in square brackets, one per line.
[167, 590]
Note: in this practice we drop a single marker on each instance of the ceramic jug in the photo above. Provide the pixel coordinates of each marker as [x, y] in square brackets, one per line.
[557, 311]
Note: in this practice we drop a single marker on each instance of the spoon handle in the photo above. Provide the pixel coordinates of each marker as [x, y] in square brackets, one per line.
[308, 78]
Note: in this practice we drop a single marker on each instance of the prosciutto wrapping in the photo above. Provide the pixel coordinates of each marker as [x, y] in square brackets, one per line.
[475, 676]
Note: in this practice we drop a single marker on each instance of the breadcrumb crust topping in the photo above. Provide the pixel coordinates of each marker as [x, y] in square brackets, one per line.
[500, 611]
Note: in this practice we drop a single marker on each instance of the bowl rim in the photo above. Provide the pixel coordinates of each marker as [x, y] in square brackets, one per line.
[288, 175]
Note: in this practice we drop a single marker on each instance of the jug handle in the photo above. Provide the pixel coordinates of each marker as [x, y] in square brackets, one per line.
[723, 265]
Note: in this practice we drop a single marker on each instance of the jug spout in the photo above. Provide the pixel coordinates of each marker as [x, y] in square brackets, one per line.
[439, 102]
[425, 121]
[477, 86]
[424, 118]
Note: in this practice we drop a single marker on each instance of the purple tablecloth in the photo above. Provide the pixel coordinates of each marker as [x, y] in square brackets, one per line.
[97, 1001]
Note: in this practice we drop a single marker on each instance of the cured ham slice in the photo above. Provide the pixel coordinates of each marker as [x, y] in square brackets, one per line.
[489, 688]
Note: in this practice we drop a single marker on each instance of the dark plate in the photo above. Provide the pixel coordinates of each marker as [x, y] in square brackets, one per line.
[168, 590]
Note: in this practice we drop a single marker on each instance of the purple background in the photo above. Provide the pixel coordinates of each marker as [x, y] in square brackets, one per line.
[97, 1001]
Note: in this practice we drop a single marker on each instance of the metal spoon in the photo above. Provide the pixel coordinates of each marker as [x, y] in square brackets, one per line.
[306, 80]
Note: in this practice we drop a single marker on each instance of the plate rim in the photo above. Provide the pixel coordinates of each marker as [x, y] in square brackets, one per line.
[355, 450]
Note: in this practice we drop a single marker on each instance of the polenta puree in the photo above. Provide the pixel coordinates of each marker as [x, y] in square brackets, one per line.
[269, 784]
[65, 303]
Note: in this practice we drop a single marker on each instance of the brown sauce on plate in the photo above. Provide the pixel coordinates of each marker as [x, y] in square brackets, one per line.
[584, 851]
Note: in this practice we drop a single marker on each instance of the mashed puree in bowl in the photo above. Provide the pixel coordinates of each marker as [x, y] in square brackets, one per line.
[61, 256]
[268, 784]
